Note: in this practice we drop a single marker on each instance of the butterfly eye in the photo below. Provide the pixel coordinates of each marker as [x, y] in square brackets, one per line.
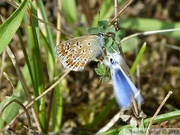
[111, 60]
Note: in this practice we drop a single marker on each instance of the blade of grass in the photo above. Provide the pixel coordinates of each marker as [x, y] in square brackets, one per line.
[25, 53]
[37, 68]
[9, 27]
[55, 110]
[69, 10]
[104, 13]
[50, 44]
[159, 119]
[138, 58]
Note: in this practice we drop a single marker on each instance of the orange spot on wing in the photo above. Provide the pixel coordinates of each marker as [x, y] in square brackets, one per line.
[70, 62]
[75, 64]
[80, 64]
[70, 56]
[83, 64]
[62, 51]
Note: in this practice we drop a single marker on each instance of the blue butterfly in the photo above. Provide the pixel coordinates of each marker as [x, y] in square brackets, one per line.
[124, 88]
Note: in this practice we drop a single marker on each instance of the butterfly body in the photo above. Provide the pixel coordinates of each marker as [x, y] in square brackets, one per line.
[76, 53]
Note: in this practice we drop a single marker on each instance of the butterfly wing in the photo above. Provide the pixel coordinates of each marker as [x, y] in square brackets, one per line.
[77, 52]
[123, 87]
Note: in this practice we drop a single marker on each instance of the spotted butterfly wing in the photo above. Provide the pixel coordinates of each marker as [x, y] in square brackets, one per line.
[76, 53]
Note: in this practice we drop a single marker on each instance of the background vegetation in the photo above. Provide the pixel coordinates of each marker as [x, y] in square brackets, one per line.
[81, 103]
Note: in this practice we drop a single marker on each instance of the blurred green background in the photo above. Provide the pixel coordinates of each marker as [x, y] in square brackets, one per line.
[81, 103]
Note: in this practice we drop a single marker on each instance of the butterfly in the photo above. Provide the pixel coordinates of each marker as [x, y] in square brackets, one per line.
[124, 88]
[76, 53]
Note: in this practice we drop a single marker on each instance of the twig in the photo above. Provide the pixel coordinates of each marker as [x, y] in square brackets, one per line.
[168, 45]
[58, 22]
[2, 65]
[115, 8]
[24, 108]
[158, 110]
[110, 123]
[121, 11]
[150, 33]
[23, 82]
[44, 93]
[49, 89]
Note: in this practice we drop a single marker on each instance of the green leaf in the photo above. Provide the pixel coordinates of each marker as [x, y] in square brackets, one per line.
[92, 30]
[98, 71]
[10, 26]
[114, 48]
[109, 42]
[105, 79]
[119, 35]
[103, 24]
[101, 69]
[110, 30]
